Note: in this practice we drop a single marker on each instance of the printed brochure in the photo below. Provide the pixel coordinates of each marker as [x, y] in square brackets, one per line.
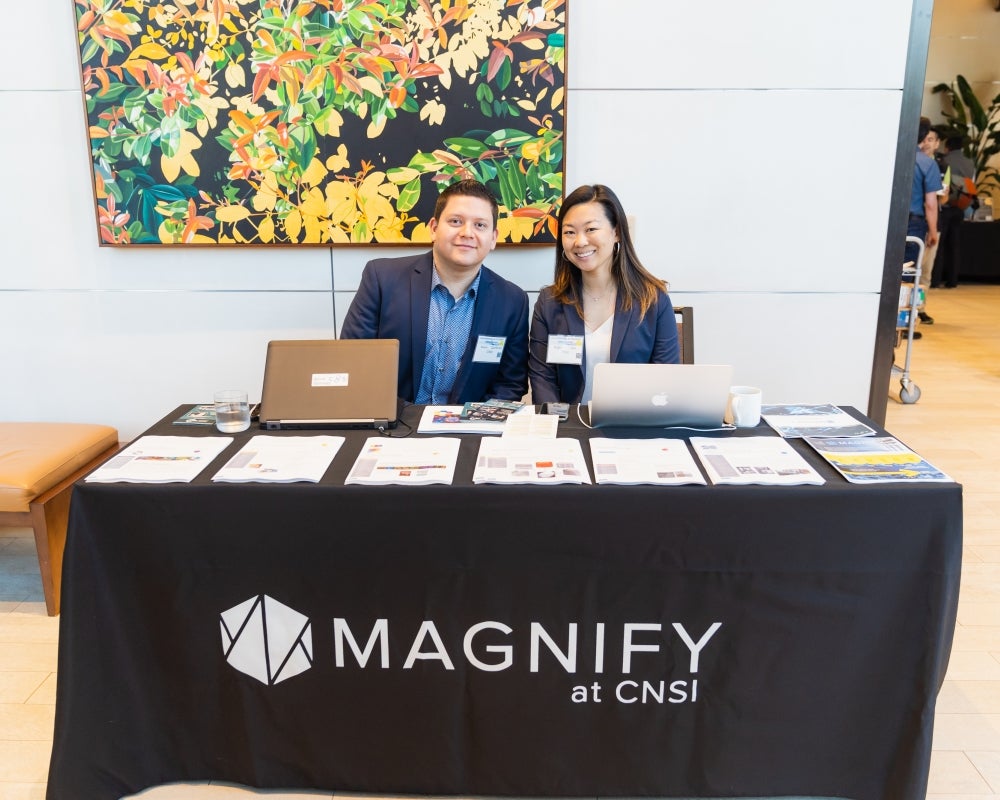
[882, 459]
[798, 420]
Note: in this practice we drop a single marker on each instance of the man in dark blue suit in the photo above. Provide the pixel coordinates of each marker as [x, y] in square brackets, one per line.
[462, 329]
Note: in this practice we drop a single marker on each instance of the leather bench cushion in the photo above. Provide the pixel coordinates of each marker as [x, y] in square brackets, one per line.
[35, 456]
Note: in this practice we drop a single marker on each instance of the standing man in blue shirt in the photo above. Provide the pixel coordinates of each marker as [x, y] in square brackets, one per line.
[923, 201]
[462, 329]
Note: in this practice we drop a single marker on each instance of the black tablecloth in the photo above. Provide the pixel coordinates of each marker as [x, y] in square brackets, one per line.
[495, 640]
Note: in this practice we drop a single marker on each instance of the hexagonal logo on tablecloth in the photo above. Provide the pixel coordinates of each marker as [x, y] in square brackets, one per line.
[266, 639]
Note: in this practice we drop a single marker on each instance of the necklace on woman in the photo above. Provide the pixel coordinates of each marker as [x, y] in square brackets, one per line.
[597, 298]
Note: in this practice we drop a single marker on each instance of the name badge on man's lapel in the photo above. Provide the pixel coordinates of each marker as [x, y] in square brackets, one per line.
[489, 349]
[565, 349]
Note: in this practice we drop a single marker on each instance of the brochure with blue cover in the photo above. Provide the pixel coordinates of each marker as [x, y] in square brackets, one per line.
[197, 415]
[795, 420]
[880, 459]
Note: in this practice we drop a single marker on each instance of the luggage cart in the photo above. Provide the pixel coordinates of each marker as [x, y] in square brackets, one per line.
[906, 321]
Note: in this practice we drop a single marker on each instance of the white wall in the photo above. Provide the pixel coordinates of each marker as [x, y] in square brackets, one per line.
[725, 127]
[965, 40]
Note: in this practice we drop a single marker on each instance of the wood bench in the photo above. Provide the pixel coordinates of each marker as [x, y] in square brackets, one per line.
[39, 463]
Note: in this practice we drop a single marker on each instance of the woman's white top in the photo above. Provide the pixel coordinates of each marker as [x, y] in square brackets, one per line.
[597, 350]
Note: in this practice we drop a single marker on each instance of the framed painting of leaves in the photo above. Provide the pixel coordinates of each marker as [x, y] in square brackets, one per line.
[319, 122]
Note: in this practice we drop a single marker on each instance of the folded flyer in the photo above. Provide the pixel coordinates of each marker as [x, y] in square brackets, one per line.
[530, 460]
[741, 460]
[197, 415]
[796, 420]
[662, 462]
[449, 420]
[413, 462]
[161, 459]
[881, 459]
[494, 410]
[281, 459]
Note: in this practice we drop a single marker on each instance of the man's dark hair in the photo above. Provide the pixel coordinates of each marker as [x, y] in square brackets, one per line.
[469, 188]
[954, 142]
[923, 129]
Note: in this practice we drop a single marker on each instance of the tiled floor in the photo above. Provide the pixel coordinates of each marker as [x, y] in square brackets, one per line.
[27, 670]
[954, 425]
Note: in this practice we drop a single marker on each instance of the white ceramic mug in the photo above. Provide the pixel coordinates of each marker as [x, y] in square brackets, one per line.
[744, 406]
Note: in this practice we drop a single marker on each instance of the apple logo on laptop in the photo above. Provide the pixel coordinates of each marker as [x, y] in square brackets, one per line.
[660, 399]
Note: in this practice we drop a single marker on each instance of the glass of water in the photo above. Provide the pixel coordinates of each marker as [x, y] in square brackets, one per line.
[232, 411]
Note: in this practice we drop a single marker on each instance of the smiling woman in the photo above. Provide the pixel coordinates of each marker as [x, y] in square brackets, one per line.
[603, 305]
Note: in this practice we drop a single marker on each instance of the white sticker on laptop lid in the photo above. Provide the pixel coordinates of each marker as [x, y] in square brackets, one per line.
[330, 378]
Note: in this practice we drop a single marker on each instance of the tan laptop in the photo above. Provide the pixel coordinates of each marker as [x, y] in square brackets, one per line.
[660, 395]
[330, 383]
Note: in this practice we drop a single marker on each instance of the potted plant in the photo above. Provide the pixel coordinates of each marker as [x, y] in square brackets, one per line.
[979, 128]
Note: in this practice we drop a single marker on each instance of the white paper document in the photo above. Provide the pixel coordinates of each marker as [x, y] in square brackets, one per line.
[530, 460]
[410, 462]
[449, 420]
[161, 459]
[753, 459]
[795, 420]
[542, 426]
[281, 459]
[665, 462]
[883, 459]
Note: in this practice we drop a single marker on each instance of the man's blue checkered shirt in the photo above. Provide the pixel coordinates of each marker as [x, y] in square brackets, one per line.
[449, 323]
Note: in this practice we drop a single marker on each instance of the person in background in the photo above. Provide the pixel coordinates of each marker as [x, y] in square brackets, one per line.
[462, 329]
[930, 147]
[946, 265]
[603, 305]
[923, 218]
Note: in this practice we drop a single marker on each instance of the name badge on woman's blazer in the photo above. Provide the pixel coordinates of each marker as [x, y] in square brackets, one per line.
[565, 349]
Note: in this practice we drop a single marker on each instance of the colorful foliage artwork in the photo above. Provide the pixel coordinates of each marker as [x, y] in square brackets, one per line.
[319, 122]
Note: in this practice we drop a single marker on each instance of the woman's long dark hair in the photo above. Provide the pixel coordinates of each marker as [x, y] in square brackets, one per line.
[634, 283]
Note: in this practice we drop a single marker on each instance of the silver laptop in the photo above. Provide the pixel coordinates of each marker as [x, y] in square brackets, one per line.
[660, 395]
[330, 383]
